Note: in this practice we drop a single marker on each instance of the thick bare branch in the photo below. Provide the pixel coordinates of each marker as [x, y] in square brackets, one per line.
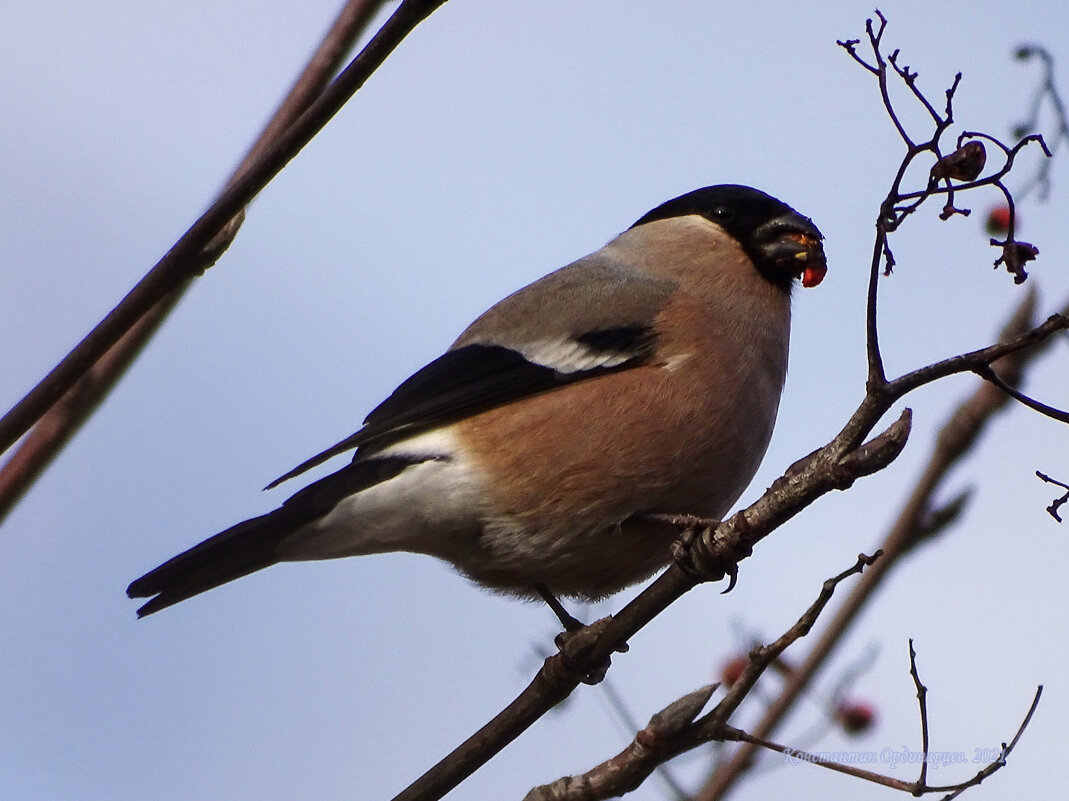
[632, 766]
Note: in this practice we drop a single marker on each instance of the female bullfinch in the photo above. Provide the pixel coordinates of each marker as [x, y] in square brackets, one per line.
[533, 455]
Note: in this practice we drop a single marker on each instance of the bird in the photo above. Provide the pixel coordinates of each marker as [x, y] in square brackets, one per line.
[540, 454]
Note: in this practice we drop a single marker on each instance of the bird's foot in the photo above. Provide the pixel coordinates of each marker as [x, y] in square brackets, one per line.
[705, 550]
[577, 631]
[574, 646]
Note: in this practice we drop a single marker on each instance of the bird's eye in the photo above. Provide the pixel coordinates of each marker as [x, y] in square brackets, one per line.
[723, 212]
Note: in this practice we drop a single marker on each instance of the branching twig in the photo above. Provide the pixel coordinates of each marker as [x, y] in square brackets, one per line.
[1058, 502]
[628, 769]
[619, 707]
[965, 164]
[675, 730]
[1007, 748]
[916, 788]
[920, 518]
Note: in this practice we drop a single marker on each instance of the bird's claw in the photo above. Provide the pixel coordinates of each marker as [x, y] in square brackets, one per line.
[698, 551]
[574, 646]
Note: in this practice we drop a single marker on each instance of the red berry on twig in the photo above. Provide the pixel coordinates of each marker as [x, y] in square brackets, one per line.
[998, 220]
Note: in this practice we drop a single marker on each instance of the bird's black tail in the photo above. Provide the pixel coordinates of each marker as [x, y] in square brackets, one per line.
[255, 544]
[231, 554]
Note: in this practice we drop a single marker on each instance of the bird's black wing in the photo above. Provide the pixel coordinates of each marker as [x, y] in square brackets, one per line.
[592, 317]
[477, 377]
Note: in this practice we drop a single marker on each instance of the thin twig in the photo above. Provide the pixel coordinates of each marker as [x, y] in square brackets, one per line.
[998, 764]
[986, 373]
[976, 360]
[322, 66]
[1058, 502]
[922, 703]
[916, 788]
[796, 756]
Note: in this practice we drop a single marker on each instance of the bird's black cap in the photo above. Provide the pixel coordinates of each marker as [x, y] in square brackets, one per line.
[757, 221]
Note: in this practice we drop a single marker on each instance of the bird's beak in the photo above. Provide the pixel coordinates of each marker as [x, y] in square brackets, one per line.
[793, 244]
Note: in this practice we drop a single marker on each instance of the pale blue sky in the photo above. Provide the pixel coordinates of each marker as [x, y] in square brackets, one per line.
[500, 142]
